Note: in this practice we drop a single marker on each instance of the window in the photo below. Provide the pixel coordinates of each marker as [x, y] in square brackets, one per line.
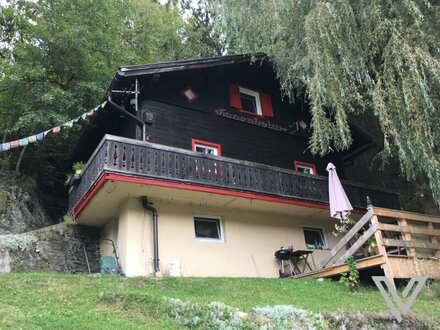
[207, 147]
[314, 238]
[189, 94]
[305, 167]
[208, 229]
[250, 101]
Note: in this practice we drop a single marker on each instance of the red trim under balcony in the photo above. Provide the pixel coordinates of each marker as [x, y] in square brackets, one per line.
[84, 201]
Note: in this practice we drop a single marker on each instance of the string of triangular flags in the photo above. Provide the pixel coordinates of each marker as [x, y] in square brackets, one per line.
[40, 136]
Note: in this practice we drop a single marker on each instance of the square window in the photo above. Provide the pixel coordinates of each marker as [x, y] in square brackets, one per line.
[189, 94]
[314, 238]
[207, 229]
[206, 147]
[305, 167]
[250, 101]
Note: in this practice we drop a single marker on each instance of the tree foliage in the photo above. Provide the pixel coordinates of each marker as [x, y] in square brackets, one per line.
[57, 60]
[351, 57]
[203, 37]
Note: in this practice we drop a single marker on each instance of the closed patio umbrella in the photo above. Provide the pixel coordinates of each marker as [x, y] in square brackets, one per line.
[340, 206]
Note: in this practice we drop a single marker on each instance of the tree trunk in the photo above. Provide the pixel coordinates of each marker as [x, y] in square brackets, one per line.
[20, 158]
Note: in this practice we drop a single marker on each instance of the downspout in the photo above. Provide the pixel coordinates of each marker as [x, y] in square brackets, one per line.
[147, 206]
[125, 112]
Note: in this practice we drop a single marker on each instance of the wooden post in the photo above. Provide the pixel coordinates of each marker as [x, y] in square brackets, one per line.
[379, 241]
[406, 235]
[434, 239]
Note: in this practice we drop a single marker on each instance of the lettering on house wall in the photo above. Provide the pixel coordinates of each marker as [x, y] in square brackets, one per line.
[256, 121]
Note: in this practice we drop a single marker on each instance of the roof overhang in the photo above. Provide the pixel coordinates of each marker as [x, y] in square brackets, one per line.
[132, 71]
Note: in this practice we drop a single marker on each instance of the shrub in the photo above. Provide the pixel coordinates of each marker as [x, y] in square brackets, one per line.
[351, 278]
[288, 317]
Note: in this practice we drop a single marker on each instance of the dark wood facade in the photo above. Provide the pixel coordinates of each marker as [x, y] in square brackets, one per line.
[174, 121]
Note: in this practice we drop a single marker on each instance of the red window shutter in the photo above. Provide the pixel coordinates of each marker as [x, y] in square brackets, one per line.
[266, 105]
[234, 96]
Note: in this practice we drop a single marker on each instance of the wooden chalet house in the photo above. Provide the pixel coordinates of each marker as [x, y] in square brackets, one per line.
[201, 165]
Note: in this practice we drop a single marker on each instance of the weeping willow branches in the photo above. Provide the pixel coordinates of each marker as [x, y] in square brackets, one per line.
[380, 56]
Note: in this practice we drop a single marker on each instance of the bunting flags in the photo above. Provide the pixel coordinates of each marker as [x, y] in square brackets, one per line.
[40, 136]
[23, 142]
[32, 138]
[6, 146]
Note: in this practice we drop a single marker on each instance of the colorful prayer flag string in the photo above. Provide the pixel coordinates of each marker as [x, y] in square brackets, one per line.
[41, 135]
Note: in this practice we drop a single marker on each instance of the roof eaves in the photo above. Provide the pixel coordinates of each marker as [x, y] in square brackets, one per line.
[138, 70]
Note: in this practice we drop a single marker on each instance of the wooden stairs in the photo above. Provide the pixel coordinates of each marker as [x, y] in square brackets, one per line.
[407, 245]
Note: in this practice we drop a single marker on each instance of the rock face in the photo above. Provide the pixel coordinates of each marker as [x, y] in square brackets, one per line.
[56, 248]
[20, 210]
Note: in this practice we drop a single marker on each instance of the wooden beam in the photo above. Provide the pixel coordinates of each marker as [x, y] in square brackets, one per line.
[380, 246]
[406, 215]
[407, 267]
[433, 237]
[410, 244]
[407, 236]
[408, 229]
[370, 262]
[361, 241]
[344, 240]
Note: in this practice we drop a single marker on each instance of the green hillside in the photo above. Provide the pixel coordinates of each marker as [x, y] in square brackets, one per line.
[54, 300]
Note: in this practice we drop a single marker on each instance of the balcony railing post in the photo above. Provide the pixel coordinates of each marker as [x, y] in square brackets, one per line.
[434, 239]
[381, 248]
[406, 235]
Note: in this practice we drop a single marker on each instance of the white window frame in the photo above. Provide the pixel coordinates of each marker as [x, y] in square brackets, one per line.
[254, 94]
[215, 149]
[321, 230]
[221, 239]
[304, 167]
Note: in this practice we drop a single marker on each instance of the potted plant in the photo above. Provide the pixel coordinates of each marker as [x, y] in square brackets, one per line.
[78, 167]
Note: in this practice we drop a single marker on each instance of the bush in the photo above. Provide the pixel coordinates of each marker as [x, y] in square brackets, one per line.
[351, 278]
[287, 317]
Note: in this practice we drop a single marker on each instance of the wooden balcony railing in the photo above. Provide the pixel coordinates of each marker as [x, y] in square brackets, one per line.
[399, 237]
[143, 159]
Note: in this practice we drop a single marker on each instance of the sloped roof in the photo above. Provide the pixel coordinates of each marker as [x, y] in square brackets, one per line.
[145, 69]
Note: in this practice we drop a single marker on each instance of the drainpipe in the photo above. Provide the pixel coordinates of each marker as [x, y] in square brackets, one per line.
[147, 206]
[128, 114]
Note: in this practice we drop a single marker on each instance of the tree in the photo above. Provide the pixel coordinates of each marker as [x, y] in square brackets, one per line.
[202, 36]
[353, 57]
[58, 58]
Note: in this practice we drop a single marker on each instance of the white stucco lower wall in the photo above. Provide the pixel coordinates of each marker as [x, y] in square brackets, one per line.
[250, 240]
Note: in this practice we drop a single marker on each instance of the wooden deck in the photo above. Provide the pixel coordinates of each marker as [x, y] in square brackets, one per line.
[407, 245]
[365, 263]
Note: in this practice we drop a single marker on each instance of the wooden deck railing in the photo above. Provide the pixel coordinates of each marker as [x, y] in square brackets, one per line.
[396, 234]
[143, 159]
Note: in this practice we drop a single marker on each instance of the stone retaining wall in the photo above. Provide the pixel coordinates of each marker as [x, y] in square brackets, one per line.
[56, 248]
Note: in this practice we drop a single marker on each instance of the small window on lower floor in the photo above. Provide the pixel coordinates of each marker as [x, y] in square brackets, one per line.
[305, 167]
[207, 228]
[314, 238]
[206, 147]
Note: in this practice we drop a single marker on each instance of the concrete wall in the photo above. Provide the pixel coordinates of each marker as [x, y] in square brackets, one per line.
[250, 240]
[110, 231]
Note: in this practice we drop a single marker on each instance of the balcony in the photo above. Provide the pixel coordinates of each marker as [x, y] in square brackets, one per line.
[139, 159]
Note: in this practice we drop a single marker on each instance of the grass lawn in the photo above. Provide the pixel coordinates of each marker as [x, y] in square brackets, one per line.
[54, 300]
